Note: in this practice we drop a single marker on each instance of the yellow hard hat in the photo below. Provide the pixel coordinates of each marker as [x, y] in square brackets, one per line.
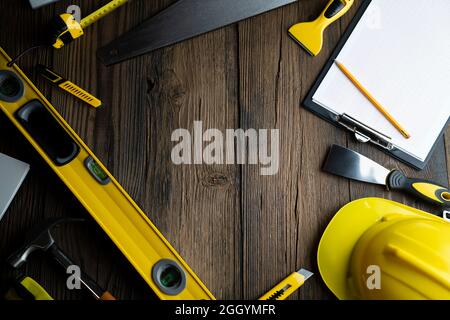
[379, 249]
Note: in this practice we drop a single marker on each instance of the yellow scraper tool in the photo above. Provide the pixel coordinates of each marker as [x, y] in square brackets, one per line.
[76, 165]
[310, 34]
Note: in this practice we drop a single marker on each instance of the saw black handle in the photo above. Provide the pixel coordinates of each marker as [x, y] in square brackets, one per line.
[423, 189]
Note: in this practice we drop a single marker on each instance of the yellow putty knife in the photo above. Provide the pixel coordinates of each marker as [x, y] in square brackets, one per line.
[310, 34]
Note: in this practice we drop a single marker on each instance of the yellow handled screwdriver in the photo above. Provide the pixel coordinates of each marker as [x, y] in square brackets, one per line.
[288, 286]
[68, 86]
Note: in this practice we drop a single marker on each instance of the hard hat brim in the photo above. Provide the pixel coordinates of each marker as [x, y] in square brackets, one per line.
[342, 234]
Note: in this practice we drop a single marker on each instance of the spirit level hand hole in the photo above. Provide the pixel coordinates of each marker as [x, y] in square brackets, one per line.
[169, 277]
[11, 87]
[43, 127]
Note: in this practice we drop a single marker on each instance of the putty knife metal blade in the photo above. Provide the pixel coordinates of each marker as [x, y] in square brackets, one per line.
[183, 20]
[350, 164]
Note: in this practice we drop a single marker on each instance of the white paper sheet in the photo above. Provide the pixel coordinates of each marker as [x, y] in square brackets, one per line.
[399, 51]
[12, 174]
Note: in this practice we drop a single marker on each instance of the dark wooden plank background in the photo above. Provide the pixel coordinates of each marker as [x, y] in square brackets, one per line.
[239, 231]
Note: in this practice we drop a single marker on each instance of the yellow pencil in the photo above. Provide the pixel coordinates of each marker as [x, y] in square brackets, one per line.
[372, 99]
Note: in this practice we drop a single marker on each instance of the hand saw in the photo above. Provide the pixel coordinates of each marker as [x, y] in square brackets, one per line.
[87, 178]
[183, 20]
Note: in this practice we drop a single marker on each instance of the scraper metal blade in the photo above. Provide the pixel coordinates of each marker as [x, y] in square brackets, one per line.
[350, 164]
[183, 20]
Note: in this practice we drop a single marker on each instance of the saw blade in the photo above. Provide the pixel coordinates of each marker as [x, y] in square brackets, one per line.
[183, 20]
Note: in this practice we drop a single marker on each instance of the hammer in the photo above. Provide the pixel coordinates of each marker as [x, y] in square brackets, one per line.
[41, 239]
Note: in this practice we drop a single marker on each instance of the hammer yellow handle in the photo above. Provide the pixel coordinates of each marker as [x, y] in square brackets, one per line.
[310, 34]
[35, 289]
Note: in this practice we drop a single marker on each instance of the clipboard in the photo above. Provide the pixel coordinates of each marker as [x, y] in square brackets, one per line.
[362, 132]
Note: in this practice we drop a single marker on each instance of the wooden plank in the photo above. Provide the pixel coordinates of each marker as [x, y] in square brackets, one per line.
[195, 206]
[146, 99]
[77, 61]
[284, 215]
[322, 193]
[30, 204]
[241, 232]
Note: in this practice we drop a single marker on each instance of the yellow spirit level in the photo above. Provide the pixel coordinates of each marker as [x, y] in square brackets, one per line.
[129, 228]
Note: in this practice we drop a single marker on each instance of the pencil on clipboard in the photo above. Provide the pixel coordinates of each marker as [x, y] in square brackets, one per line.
[372, 99]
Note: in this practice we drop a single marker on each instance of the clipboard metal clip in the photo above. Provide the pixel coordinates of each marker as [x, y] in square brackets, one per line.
[364, 133]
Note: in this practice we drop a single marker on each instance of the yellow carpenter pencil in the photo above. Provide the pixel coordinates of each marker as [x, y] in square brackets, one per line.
[372, 99]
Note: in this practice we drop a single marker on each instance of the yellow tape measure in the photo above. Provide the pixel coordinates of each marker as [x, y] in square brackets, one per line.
[102, 12]
[66, 28]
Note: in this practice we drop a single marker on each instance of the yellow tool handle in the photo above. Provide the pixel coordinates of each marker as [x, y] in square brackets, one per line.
[81, 94]
[310, 34]
[28, 287]
[35, 289]
[68, 86]
[334, 10]
[285, 288]
[423, 189]
[100, 13]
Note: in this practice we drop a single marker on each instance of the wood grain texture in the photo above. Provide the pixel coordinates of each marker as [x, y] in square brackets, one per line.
[241, 232]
